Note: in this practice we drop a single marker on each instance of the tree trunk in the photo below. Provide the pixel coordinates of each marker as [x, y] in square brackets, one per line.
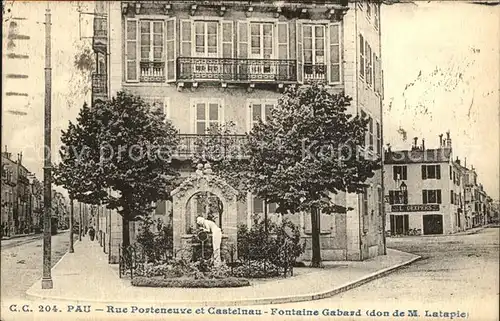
[71, 248]
[125, 232]
[316, 247]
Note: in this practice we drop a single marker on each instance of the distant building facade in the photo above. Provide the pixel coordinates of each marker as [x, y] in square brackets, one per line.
[424, 193]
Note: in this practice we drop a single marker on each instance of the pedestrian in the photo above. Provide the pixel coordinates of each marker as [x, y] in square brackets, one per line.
[91, 233]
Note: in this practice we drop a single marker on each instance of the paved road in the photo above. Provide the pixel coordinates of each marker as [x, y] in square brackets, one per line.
[21, 263]
[459, 272]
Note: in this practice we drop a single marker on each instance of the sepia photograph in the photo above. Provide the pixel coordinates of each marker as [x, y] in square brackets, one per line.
[250, 160]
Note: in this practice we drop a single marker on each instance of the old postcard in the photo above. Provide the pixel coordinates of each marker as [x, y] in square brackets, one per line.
[250, 160]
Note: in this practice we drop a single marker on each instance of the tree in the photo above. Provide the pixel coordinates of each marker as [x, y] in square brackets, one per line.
[307, 150]
[120, 153]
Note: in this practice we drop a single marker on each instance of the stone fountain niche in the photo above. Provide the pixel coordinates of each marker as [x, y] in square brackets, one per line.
[203, 181]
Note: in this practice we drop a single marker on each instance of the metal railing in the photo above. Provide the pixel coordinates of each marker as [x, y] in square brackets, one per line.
[99, 84]
[236, 69]
[314, 73]
[152, 71]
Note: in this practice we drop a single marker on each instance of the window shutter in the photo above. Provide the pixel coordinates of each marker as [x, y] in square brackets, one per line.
[131, 51]
[391, 197]
[438, 196]
[335, 53]
[424, 172]
[424, 196]
[283, 49]
[438, 171]
[242, 39]
[227, 39]
[171, 50]
[185, 38]
[298, 32]
[325, 222]
[307, 223]
[361, 56]
[405, 173]
[242, 68]
[451, 197]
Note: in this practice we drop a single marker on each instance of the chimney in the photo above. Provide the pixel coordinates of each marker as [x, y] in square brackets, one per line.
[465, 162]
[440, 140]
[423, 144]
[448, 139]
[20, 158]
[457, 161]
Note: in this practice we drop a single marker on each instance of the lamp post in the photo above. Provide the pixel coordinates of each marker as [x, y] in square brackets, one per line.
[47, 168]
[403, 189]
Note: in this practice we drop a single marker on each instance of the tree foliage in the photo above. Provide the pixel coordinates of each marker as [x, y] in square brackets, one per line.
[118, 154]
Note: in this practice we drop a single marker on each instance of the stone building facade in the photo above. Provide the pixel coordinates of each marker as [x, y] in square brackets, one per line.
[213, 62]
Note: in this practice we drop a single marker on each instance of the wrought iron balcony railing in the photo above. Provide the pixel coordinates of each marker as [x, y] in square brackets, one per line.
[99, 85]
[211, 146]
[152, 71]
[314, 73]
[236, 69]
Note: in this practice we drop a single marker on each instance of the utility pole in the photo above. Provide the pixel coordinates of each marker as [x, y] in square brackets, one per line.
[80, 223]
[47, 168]
[71, 248]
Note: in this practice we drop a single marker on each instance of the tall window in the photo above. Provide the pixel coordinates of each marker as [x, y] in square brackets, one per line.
[398, 197]
[206, 35]
[207, 114]
[151, 40]
[365, 201]
[379, 139]
[361, 56]
[432, 196]
[380, 200]
[368, 64]
[370, 133]
[259, 110]
[376, 15]
[399, 173]
[261, 40]
[431, 172]
[369, 10]
[314, 51]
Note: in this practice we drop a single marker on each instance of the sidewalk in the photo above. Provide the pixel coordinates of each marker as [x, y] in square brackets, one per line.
[86, 276]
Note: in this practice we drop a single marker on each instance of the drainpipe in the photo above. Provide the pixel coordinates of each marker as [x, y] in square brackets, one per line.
[382, 154]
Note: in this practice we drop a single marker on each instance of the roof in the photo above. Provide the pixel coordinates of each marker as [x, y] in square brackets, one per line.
[440, 155]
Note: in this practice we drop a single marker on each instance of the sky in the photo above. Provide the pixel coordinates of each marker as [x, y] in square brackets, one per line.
[441, 73]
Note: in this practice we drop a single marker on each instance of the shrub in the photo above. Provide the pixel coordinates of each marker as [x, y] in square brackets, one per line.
[256, 269]
[190, 283]
[154, 247]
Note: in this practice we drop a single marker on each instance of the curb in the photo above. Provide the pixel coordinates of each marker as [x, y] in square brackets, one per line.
[257, 301]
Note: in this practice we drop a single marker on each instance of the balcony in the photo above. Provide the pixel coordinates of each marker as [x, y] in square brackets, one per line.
[152, 71]
[236, 70]
[191, 145]
[99, 86]
[100, 38]
[314, 73]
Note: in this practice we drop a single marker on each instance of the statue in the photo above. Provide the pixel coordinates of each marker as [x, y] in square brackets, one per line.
[210, 226]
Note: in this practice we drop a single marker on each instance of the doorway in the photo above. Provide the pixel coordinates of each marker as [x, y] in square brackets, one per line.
[433, 224]
[399, 224]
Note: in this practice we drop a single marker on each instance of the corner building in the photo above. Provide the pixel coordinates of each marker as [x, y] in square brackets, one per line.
[209, 62]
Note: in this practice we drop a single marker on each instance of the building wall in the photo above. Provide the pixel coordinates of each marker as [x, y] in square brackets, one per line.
[351, 236]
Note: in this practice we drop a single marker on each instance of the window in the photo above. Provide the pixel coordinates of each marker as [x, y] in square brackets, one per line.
[452, 197]
[363, 115]
[431, 196]
[380, 200]
[314, 41]
[451, 173]
[369, 10]
[379, 139]
[205, 38]
[377, 74]
[150, 50]
[399, 173]
[370, 133]
[318, 42]
[261, 40]
[207, 113]
[259, 110]
[431, 172]
[398, 197]
[368, 64]
[376, 15]
[361, 56]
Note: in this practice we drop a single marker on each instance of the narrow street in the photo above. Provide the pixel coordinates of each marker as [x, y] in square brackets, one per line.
[22, 262]
[457, 272]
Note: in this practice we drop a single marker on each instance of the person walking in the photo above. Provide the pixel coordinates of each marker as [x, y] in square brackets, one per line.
[91, 233]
